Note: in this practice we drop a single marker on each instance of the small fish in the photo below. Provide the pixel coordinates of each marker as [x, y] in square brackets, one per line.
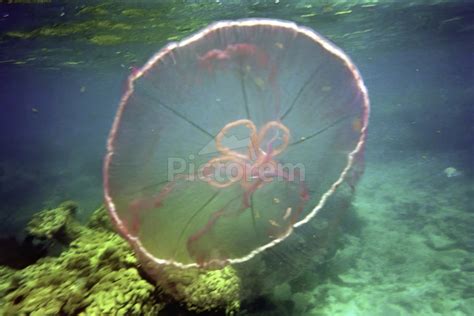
[83, 89]
[34, 110]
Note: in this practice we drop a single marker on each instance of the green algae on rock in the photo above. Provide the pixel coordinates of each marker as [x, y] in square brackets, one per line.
[58, 223]
[106, 39]
[100, 220]
[211, 290]
[202, 290]
[6, 275]
[98, 274]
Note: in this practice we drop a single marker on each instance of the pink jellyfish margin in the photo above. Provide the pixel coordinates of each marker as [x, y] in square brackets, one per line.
[195, 75]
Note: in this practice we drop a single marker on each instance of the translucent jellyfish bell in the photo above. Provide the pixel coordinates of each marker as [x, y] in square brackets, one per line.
[227, 141]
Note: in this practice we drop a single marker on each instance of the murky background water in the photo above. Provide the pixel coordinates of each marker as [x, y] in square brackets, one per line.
[62, 70]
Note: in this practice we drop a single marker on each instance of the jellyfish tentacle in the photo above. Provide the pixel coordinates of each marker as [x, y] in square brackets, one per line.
[142, 204]
[213, 218]
[285, 137]
[256, 168]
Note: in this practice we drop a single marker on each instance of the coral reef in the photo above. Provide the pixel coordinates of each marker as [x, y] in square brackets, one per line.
[202, 290]
[58, 223]
[100, 220]
[98, 274]
[6, 275]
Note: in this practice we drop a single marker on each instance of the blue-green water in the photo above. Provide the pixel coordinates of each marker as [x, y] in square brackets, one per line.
[409, 248]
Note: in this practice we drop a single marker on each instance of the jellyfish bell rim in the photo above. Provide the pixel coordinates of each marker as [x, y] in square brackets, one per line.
[329, 47]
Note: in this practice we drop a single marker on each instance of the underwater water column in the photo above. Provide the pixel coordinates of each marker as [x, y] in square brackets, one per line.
[227, 141]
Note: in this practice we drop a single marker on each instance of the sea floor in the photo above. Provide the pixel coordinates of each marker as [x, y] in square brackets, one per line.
[414, 254]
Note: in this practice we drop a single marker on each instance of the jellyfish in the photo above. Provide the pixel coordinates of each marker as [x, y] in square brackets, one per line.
[226, 142]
